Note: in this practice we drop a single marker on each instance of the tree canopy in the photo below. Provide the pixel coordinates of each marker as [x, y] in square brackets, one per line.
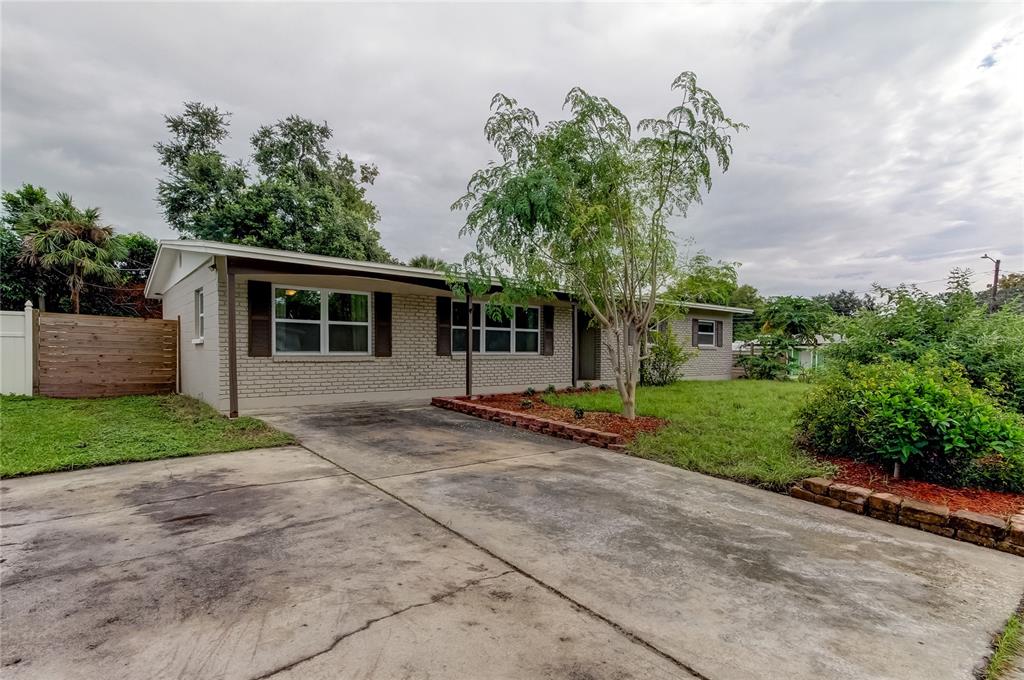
[846, 302]
[298, 195]
[701, 279]
[47, 286]
[428, 262]
[585, 204]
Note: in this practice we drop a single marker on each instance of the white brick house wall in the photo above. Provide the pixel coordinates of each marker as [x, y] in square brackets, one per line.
[413, 369]
[707, 363]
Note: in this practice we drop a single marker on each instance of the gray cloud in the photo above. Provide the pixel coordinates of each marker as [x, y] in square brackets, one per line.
[885, 141]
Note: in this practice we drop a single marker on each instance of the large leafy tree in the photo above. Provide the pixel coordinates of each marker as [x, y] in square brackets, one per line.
[1009, 292]
[585, 204]
[702, 279]
[746, 326]
[298, 195]
[799, 318]
[58, 236]
[846, 302]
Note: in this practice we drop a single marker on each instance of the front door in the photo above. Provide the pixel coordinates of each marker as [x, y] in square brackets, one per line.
[588, 348]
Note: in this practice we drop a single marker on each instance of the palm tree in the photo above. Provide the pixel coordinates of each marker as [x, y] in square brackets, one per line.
[427, 262]
[58, 236]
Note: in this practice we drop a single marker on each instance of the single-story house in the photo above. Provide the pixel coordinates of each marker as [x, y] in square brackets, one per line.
[263, 328]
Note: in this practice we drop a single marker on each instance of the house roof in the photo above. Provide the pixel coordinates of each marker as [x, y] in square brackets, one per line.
[165, 265]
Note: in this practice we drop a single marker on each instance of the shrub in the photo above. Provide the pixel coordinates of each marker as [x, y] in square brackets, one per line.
[665, 358]
[550, 389]
[526, 403]
[926, 415]
[577, 413]
[910, 324]
[771, 360]
[530, 392]
[587, 386]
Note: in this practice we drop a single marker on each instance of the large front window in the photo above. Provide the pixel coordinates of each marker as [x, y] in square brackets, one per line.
[320, 321]
[518, 334]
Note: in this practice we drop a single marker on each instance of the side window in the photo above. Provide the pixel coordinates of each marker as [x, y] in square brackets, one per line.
[199, 329]
[706, 333]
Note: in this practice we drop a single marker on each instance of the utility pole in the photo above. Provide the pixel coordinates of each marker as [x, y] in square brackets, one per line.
[995, 282]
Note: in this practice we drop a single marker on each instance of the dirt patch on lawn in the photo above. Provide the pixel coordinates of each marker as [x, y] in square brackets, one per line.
[875, 477]
[595, 420]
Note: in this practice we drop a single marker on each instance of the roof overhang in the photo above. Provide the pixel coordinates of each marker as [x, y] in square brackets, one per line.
[251, 260]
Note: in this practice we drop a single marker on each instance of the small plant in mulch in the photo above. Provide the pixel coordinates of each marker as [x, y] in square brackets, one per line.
[530, 392]
[526, 403]
[587, 386]
[550, 389]
[578, 413]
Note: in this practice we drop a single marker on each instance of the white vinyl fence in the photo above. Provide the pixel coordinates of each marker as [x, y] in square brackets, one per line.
[16, 348]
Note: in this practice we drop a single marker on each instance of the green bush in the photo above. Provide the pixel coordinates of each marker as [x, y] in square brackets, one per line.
[770, 360]
[665, 358]
[925, 415]
[910, 324]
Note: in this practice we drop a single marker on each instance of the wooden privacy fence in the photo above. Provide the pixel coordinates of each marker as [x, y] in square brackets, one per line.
[79, 355]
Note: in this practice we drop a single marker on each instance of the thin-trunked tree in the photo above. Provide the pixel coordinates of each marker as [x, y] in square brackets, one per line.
[584, 205]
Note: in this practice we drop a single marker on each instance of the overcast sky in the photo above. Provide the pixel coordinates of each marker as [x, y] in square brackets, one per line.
[886, 141]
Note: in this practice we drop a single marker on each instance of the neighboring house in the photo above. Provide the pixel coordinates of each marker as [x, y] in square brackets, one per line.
[311, 329]
[801, 357]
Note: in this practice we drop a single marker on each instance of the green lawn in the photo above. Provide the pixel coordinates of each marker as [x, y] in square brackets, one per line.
[43, 435]
[737, 429]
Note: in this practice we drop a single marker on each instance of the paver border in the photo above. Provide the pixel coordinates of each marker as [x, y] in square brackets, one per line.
[988, 531]
[554, 428]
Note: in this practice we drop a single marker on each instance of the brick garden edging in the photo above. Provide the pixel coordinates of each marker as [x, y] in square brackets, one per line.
[963, 525]
[554, 428]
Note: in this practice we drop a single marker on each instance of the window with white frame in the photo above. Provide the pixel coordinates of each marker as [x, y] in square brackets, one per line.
[321, 321]
[706, 333]
[516, 334]
[199, 330]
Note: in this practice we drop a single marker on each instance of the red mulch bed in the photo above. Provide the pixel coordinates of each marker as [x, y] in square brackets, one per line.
[876, 478]
[603, 422]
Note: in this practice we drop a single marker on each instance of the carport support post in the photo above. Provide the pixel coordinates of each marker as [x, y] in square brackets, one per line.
[575, 348]
[232, 349]
[469, 344]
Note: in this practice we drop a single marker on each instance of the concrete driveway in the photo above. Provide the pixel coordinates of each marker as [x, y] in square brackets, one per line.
[413, 542]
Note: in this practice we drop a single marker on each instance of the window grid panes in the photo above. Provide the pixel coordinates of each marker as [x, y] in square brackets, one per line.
[321, 321]
[705, 332]
[517, 334]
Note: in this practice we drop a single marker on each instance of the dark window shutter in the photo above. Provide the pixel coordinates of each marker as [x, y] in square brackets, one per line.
[693, 333]
[382, 324]
[719, 326]
[444, 326]
[630, 336]
[260, 322]
[548, 326]
[598, 351]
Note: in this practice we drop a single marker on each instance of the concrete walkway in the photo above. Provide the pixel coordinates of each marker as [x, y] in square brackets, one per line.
[413, 542]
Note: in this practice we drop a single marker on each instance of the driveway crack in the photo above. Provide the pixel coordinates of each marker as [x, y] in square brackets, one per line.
[434, 599]
[630, 635]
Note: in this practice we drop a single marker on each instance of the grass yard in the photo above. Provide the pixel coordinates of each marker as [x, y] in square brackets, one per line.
[737, 429]
[43, 435]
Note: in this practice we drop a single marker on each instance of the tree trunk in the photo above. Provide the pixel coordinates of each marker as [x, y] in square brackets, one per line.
[629, 399]
[76, 289]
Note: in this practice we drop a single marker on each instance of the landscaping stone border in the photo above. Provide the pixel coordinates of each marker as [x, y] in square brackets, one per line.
[984, 530]
[554, 428]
